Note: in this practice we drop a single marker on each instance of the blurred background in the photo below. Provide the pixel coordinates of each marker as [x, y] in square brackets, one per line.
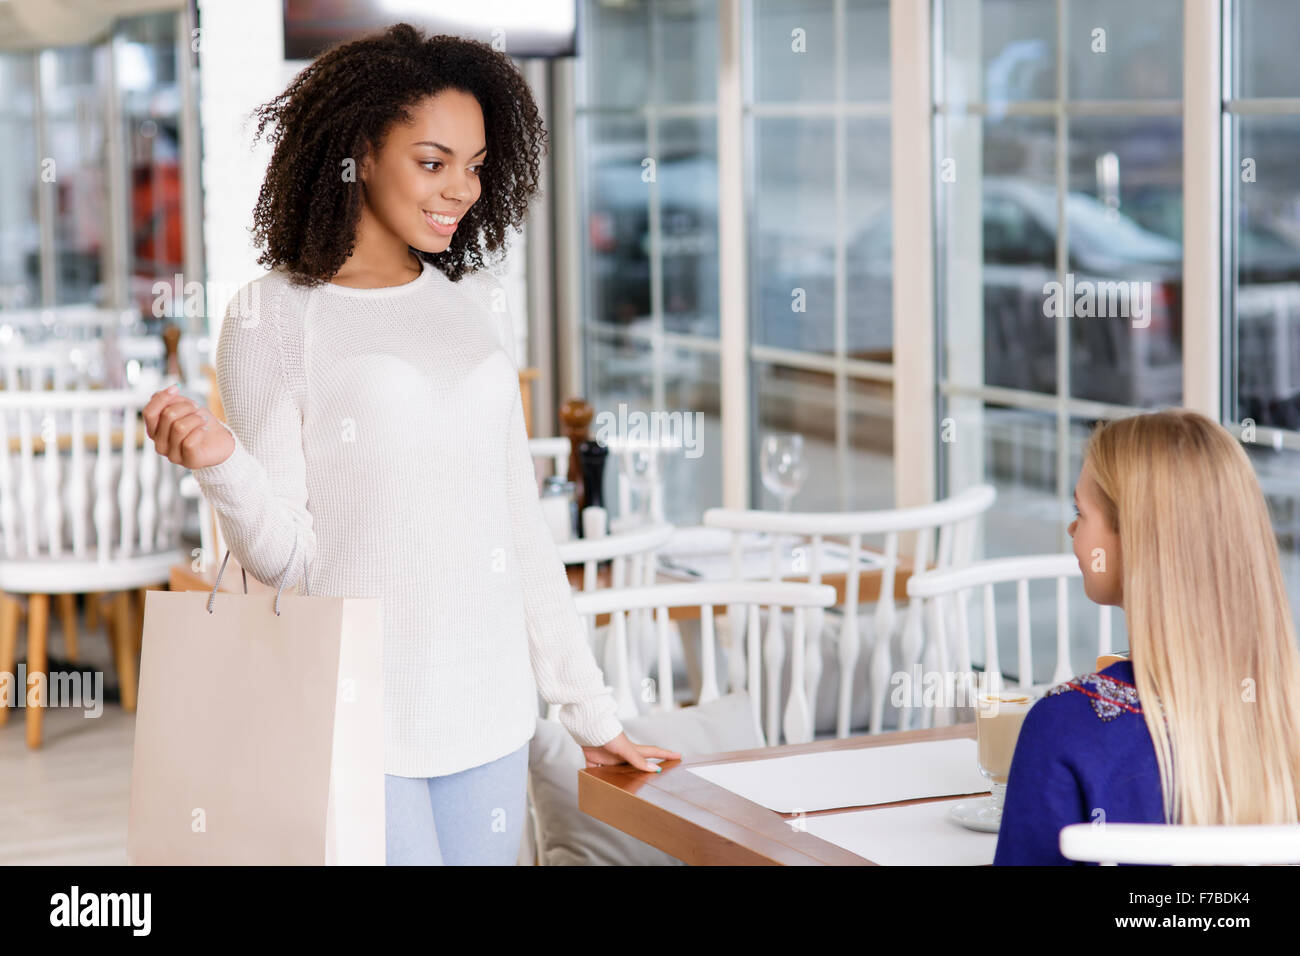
[1057, 132]
[1062, 160]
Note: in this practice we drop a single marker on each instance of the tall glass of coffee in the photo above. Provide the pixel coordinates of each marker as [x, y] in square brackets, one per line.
[998, 717]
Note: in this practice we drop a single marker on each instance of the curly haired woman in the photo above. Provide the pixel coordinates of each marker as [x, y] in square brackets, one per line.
[376, 428]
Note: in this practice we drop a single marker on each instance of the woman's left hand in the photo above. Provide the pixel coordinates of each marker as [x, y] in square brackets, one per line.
[622, 750]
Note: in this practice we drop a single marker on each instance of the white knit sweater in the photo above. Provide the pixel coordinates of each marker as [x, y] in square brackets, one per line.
[383, 428]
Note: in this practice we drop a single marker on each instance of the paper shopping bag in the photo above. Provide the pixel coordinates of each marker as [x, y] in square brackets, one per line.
[258, 737]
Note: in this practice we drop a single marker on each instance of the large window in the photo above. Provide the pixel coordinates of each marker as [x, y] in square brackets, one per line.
[1059, 270]
[816, 174]
[150, 120]
[820, 244]
[1058, 199]
[93, 212]
[1058, 139]
[1262, 233]
[647, 178]
[20, 232]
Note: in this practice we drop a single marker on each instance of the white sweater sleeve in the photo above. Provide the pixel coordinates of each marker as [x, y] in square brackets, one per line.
[260, 492]
[563, 665]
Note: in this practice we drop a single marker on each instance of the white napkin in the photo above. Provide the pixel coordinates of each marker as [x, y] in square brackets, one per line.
[921, 834]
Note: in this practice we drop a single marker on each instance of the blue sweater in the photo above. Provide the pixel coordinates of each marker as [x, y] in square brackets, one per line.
[1084, 750]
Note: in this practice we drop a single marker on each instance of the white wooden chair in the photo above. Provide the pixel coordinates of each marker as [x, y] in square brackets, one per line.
[659, 600]
[632, 556]
[78, 363]
[34, 359]
[631, 553]
[942, 535]
[81, 319]
[797, 722]
[941, 596]
[551, 454]
[105, 516]
[554, 450]
[60, 364]
[1176, 845]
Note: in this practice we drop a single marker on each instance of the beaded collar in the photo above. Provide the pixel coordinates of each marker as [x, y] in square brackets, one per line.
[1109, 696]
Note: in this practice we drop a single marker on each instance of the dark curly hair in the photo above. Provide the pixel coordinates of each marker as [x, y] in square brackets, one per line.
[342, 105]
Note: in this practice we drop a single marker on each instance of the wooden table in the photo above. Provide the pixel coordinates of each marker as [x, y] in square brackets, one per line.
[704, 824]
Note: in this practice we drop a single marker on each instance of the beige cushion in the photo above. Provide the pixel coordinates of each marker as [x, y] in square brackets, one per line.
[569, 837]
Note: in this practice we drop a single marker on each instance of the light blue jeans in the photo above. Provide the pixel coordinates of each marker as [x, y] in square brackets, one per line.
[471, 818]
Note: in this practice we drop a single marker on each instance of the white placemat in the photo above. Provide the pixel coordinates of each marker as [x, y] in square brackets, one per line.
[699, 539]
[861, 777]
[707, 553]
[917, 835]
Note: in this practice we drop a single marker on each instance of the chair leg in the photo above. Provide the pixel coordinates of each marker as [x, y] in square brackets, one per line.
[137, 621]
[124, 649]
[8, 649]
[92, 610]
[38, 614]
[68, 615]
[110, 624]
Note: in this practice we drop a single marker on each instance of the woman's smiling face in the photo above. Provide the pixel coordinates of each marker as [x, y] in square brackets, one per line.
[426, 174]
[1096, 544]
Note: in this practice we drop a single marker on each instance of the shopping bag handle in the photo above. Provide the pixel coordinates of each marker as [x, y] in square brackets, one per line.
[222, 570]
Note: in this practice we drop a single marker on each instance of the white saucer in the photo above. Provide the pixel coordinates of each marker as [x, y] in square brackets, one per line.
[976, 814]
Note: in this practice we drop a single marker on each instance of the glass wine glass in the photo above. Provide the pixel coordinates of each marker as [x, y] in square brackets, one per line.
[783, 467]
[784, 472]
[637, 462]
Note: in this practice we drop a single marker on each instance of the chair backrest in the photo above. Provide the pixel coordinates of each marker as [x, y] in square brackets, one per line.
[1176, 845]
[941, 534]
[57, 365]
[631, 553]
[80, 363]
[632, 557]
[797, 724]
[554, 450]
[79, 320]
[123, 502]
[943, 596]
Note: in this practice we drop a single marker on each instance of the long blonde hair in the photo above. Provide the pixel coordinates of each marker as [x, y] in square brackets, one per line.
[1210, 630]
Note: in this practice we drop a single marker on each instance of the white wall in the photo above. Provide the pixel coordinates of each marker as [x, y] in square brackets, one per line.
[241, 66]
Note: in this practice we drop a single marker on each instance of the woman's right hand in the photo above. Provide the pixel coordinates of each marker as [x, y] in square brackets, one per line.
[185, 433]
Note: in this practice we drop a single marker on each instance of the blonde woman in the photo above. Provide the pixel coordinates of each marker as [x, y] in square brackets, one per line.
[1202, 724]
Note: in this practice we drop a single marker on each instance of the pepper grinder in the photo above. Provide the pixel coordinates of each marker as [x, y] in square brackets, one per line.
[593, 455]
[575, 417]
[171, 343]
